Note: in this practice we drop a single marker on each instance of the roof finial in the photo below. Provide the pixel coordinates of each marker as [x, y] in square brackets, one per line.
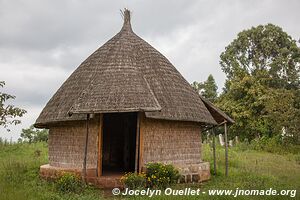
[126, 16]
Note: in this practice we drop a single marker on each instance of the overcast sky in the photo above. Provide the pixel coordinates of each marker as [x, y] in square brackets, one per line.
[42, 41]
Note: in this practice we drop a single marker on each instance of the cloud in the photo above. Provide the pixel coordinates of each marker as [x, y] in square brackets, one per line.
[42, 42]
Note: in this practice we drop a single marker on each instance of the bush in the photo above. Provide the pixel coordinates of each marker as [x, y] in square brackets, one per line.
[161, 175]
[33, 135]
[266, 144]
[134, 180]
[157, 175]
[69, 182]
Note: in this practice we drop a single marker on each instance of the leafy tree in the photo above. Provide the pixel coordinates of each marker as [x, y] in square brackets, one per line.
[210, 89]
[264, 49]
[197, 86]
[263, 80]
[207, 89]
[32, 134]
[8, 112]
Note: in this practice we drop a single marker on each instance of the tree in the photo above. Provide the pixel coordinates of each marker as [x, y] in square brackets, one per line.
[207, 89]
[32, 134]
[9, 113]
[197, 86]
[210, 89]
[261, 92]
[264, 49]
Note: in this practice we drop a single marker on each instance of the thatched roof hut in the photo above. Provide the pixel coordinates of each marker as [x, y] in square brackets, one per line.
[141, 110]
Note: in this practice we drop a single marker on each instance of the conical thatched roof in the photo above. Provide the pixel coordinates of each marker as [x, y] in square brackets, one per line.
[126, 74]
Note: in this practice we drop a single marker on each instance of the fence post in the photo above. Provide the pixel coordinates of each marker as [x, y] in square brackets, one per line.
[86, 146]
[226, 149]
[214, 150]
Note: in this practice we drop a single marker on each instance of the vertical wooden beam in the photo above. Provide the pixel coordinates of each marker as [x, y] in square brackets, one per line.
[141, 141]
[214, 150]
[100, 145]
[226, 149]
[137, 143]
[86, 146]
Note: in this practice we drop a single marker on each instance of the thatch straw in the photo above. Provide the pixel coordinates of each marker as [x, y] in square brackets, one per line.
[126, 74]
[217, 114]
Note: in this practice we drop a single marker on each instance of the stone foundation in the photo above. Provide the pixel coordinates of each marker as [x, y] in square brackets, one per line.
[50, 172]
[112, 181]
[195, 173]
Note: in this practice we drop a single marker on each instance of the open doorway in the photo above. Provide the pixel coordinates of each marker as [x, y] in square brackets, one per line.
[119, 142]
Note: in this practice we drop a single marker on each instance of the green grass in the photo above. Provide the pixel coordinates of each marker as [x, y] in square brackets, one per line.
[19, 179]
[248, 169]
[251, 169]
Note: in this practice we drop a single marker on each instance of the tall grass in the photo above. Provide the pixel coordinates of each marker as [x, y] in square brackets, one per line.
[273, 145]
[256, 169]
[19, 175]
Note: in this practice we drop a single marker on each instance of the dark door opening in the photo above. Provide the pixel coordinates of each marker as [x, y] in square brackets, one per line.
[119, 142]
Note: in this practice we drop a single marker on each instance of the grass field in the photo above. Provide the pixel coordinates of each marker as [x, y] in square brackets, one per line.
[248, 169]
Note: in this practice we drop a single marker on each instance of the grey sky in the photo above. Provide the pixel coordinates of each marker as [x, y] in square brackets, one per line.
[42, 42]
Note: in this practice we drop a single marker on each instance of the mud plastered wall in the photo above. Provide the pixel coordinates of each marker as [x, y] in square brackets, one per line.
[173, 142]
[67, 143]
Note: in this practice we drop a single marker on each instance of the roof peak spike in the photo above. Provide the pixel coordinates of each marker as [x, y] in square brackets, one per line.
[126, 16]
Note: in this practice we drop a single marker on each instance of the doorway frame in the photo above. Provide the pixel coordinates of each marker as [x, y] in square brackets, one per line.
[138, 145]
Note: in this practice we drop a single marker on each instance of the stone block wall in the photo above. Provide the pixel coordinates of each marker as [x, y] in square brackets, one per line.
[195, 172]
[67, 143]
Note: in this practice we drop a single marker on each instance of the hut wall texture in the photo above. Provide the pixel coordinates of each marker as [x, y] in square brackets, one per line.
[67, 143]
[175, 142]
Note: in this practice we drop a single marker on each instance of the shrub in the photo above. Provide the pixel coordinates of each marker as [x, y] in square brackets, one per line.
[266, 144]
[134, 180]
[274, 145]
[69, 182]
[161, 175]
[157, 175]
[33, 135]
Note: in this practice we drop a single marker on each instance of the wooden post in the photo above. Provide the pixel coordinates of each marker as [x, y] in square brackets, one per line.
[226, 149]
[141, 143]
[137, 143]
[100, 145]
[214, 151]
[86, 146]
